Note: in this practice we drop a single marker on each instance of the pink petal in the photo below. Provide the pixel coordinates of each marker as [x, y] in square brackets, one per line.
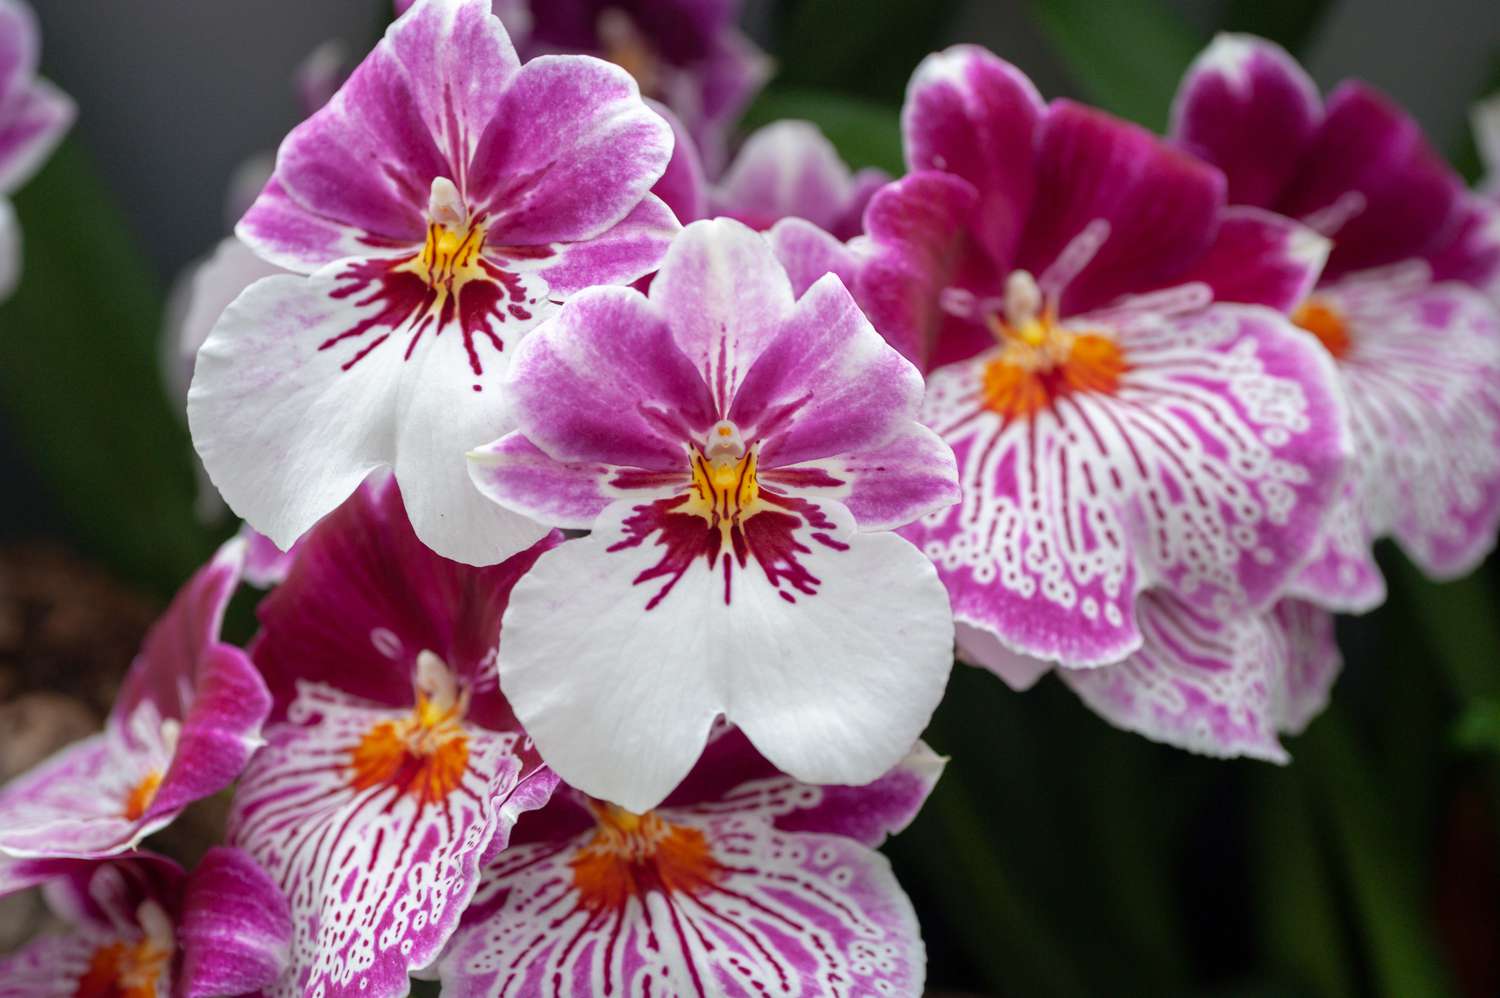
[827, 385]
[606, 382]
[365, 598]
[911, 475]
[236, 927]
[725, 297]
[568, 152]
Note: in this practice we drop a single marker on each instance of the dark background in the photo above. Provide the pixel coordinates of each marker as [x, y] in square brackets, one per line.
[1058, 856]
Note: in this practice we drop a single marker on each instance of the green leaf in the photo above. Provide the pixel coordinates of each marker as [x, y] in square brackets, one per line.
[1295, 900]
[1126, 56]
[1459, 623]
[867, 47]
[80, 387]
[1478, 729]
[1288, 23]
[865, 133]
[1384, 872]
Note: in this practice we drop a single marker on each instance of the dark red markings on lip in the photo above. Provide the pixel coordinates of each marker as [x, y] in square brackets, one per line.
[768, 535]
[479, 307]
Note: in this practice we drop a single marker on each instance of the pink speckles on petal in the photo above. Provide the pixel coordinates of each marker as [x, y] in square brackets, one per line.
[1207, 470]
[1220, 687]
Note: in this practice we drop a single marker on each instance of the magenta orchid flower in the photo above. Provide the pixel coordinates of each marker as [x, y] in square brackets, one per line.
[393, 765]
[688, 54]
[139, 929]
[186, 720]
[740, 456]
[1118, 426]
[744, 882]
[34, 115]
[440, 204]
[787, 169]
[1416, 348]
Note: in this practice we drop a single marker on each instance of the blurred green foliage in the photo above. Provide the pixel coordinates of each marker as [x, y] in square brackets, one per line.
[1057, 856]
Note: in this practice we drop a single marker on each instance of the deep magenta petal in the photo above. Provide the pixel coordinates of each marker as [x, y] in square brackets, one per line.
[365, 597]
[918, 246]
[974, 115]
[1247, 107]
[1371, 181]
[1161, 206]
[1260, 258]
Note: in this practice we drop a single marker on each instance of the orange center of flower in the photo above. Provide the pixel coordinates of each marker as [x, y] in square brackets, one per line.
[1323, 320]
[631, 854]
[135, 969]
[141, 795]
[1040, 360]
[424, 754]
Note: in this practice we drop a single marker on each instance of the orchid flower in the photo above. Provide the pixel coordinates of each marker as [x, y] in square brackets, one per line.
[139, 929]
[787, 169]
[1119, 426]
[34, 115]
[440, 204]
[740, 456]
[688, 54]
[393, 766]
[1400, 307]
[186, 720]
[743, 883]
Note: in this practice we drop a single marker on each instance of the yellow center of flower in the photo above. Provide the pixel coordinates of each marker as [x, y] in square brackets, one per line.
[450, 258]
[1039, 359]
[725, 488]
[425, 754]
[1319, 317]
[631, 854]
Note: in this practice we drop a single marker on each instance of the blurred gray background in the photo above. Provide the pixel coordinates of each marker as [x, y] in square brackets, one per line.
[174, 94]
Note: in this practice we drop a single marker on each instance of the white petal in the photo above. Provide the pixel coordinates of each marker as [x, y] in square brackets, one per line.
[285, 433]
[833, 679]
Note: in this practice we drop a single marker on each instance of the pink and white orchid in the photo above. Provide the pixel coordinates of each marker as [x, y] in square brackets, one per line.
[186, 720]
[1119, 426]
[139, 929]
[34, 115]
[787, 169]
[688, 54]
[740, 456]
[440, 204]
[1400, 307]
[393, 766]
[744, 882]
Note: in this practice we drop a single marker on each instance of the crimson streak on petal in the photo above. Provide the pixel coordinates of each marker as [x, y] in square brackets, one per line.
[769, 535]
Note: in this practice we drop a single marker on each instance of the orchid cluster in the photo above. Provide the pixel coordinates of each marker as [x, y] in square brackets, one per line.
[622, 502]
